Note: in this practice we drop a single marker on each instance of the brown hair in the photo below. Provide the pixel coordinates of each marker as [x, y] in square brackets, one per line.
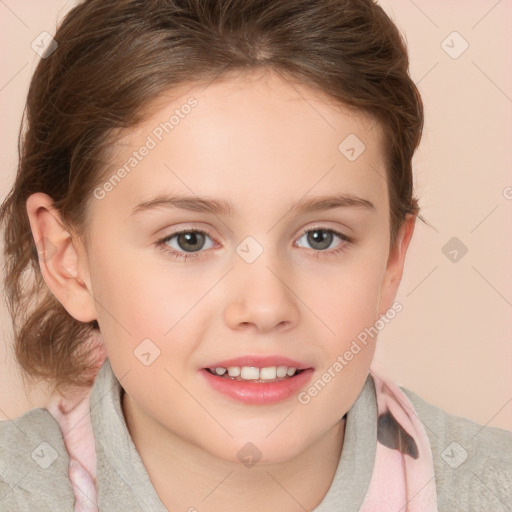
[115, 57]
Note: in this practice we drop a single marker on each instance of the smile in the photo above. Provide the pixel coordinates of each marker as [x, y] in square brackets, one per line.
[257, 386]
[255, 374]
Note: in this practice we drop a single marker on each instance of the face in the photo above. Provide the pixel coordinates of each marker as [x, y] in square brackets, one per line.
[258, 277]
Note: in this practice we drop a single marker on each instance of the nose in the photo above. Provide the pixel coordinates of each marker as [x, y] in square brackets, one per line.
[260, 297]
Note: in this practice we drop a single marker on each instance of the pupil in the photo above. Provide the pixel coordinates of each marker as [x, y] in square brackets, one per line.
[316, 237]
[191, 239]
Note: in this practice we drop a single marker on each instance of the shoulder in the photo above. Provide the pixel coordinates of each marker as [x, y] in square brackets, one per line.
[34, 464]
[472, 462]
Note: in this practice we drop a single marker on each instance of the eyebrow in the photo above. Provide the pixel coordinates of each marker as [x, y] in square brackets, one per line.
[222, 207]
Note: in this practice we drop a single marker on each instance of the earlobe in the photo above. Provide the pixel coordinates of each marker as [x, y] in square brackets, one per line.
[395, 264]
[58, 258]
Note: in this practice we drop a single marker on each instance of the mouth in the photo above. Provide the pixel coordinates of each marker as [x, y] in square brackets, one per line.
[255, 380]
[266, 374]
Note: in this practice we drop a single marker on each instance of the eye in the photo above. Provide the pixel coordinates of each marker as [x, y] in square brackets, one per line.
[189, 241]
[321, 238]
[183, 244]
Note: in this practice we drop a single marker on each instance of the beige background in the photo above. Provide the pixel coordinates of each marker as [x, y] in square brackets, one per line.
[451, 344]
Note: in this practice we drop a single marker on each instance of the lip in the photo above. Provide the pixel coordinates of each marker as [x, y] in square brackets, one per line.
[258, 393]
[260, 362]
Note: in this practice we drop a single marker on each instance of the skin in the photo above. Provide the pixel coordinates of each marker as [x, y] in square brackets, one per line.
[260, 143]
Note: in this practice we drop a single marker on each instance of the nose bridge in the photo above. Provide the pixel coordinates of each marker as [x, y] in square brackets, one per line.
[259, 291]
[260, 272]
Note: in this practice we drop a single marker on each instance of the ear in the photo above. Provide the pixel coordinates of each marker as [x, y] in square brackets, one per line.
[59, 259]
[395, 264]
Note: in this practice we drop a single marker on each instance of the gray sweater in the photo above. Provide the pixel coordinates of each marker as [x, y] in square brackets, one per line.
[33, 459]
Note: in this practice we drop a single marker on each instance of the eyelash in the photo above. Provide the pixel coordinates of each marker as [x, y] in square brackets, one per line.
[162, 244]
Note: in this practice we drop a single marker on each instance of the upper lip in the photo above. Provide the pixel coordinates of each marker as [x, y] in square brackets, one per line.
[260, 362]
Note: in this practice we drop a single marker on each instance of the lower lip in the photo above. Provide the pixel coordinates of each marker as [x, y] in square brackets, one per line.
[258, 393]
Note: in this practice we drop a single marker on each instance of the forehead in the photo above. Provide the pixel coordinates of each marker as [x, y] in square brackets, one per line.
[259, 134]
[264, 97]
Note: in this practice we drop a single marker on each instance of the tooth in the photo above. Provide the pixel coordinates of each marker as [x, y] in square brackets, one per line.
[234, 371]
[220, 371]
[250, 373]
[281, 371]
[291, 371]
[268, 373]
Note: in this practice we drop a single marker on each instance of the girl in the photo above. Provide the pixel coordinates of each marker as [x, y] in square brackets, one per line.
[215, 201]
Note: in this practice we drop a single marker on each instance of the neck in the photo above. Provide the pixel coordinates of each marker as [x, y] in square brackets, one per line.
[185, 476]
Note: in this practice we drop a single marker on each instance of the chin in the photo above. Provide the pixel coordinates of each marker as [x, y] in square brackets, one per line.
[258, 451]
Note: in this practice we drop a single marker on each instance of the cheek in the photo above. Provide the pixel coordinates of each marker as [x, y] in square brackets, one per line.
[139, 300]
[349, 307]
[347, 297]
[138, 291]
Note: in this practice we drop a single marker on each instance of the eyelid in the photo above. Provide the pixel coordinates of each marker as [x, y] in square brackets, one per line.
[206, 231]
[324, 227]
[187, 229]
